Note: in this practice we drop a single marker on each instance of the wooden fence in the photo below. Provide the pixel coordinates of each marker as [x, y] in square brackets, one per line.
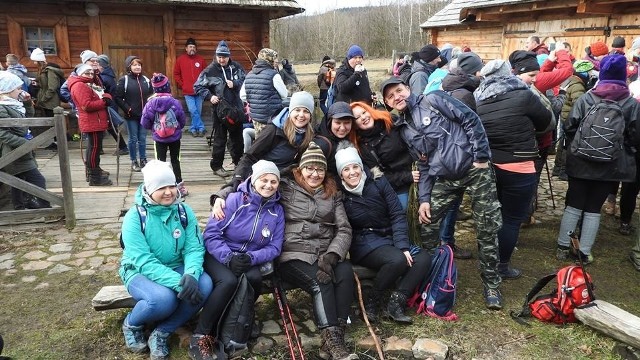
[61, 205]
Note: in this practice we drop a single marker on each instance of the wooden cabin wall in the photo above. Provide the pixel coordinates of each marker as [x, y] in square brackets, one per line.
[487, 46]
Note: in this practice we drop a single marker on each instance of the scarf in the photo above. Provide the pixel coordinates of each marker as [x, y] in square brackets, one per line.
[13, 104]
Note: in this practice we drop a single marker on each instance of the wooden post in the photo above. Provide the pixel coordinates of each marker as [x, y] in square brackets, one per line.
[65, 170]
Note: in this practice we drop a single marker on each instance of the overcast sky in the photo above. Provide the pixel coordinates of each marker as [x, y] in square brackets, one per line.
[319, 6]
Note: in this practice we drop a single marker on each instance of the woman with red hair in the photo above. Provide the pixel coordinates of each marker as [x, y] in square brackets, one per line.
[382, 148]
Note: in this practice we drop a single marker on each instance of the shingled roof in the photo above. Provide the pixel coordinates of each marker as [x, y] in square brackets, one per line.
[450, 14]
[290, 7]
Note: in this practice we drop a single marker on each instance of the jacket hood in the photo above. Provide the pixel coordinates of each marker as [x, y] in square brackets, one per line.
[76, 79]
[329, 62]
[18, 67]
[255, 198]
[613, 90]
[458, 79]
[418, 65]
[128, 60]
[56, 69]
[162, 102]
[498, 85]
[281, 118]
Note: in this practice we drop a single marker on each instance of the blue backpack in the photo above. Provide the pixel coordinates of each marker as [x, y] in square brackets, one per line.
[437, 294]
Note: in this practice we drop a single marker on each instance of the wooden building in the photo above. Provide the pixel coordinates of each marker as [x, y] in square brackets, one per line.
[495, 28]
[154, 30]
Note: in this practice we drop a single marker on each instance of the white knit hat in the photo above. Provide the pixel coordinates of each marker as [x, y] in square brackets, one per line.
[37, 55]
[157, 174]
[9, 82]
[263, 167]
[87, 55]
[347, 156]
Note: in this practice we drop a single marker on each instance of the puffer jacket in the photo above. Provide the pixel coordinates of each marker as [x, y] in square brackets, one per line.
[263, 98]
[252, 225]
[161, 103]
[351, 86]
[388, 152]
[164, 245]
[132, 99]
[49, 81]
[92, 110]
[376, 217]
[511, 114]
[11, 138]
[313, 225]
[444, 135]
[575, 88]
[622, 169]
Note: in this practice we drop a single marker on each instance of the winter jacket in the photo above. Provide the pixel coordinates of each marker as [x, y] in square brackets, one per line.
[65, 93]
[445, 135]
[186, 72]
[263, 98]
[92, 109]
[419, 77]
[511, 114]
[328, 142]
[49, 80]
[327, 65]
[163, 246]
[351, 86]
[541, 49]
[161, 103]
[574, 89]
[553, 74]
[376, 217]
[622, 169]
[461, 86]
[388, 152]
[289, 77]
[132, 99]
[313, 225]
[271, 145]
[205, 86]
[11, 138]
[251, 225]
[20, 71]
[108, 78]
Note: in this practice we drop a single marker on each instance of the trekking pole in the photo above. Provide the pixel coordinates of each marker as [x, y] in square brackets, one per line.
[287, 319]
[575, 242]
[366, 318]
[553, 200]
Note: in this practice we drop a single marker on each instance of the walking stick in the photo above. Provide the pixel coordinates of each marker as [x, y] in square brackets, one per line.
[287, 319]
[553, 200]
[366, 318]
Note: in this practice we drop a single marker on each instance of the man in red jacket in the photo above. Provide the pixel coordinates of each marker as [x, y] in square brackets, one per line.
[188, 66]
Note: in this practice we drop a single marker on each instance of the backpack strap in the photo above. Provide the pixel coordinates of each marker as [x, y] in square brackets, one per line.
[525, 312]
[126, 83]
[182, 213]
[142, 213]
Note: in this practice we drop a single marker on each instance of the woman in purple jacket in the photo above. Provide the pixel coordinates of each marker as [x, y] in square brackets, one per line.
[250, 234]
[167, 138]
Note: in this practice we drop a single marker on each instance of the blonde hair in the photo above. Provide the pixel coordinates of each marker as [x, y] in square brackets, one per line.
[289, 130]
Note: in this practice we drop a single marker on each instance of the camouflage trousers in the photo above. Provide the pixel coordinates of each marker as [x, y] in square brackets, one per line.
[480, 184]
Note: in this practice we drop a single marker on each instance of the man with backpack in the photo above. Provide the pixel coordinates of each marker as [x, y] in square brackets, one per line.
[449, 143]
[220, 83]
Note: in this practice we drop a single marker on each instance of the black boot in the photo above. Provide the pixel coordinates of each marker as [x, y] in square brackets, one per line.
[372, 304]
[97, 179]
[396, 306]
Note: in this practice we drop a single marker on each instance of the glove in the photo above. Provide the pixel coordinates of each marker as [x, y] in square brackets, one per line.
[107, 101]
[330, 258]
[325, 267]
[189, 288]
[323, 277]
[239, 263]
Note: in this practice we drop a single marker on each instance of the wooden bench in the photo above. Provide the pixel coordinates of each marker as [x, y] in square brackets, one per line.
[117, 296]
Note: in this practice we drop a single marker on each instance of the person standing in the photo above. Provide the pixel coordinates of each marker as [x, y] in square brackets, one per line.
[326, 75]
[108, 78]
[289, 77]
[221, 81]
[352, 82]
[185, 72]
[132, 92]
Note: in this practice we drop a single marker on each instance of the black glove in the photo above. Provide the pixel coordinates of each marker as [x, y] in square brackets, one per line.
[107, 101]
[239, 263]
[189, 288]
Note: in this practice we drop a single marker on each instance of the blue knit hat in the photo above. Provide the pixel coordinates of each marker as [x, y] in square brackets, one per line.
[354, 51]
[223, 49]
[613, 67]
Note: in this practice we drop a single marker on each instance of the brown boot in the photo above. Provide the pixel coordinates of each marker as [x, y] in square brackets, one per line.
[333, 344]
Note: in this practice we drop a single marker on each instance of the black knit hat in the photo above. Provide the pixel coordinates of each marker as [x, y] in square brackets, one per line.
[429, 53]
[191, 41]
[523, 61]
[618, 42]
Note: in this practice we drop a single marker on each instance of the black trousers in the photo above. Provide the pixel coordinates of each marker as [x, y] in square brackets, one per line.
[174, 149]
[224, 285]
[92, 154]
[219, 142]
[587, 195]
[391, 265]
[331, 301]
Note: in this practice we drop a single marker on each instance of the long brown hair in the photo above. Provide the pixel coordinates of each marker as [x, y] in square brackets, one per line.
[376, 115]
[329, 185]
[289, 130]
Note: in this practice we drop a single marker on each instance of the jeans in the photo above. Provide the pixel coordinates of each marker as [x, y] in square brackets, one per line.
[515, 191]
[248, 135]
[194, 105]
[137, 136]
[157, 303]
[322, 97]
[331, 301]
[32, 176]
[174, 150]
[448, 224]
[225, 284]
[391, 264]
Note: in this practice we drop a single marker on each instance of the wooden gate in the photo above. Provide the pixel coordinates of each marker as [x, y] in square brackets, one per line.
[62, 205]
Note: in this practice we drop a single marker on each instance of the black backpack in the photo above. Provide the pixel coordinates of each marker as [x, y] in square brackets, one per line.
[236, 323]
[230, 115]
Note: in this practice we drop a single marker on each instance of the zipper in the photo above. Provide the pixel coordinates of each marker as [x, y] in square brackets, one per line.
[244, 246]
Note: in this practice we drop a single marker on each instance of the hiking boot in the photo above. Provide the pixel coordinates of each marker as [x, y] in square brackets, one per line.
[194, 133]
[134, 166]
[202, 133]
[158, 347]
[202, 347]
[103, 173]
[371, 306]
[625, 229]
[396, 306]
[123, 151]
[182, 189]
[255, 330]
[633, 260]
[562, 252]
[222, 173]
[52, 147]
[100, 181]
[507, 272]
[36, 203]
[460, 253]
[492, 299]
[609, 207]
[134, 337]
[333, 344]
[586, 259]
[143, 163]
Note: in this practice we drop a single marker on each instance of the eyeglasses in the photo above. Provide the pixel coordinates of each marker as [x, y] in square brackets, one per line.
[88, 73]
[311, 170]
[93, 60]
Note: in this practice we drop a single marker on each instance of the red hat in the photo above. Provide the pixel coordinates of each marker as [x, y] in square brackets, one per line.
[599, 48]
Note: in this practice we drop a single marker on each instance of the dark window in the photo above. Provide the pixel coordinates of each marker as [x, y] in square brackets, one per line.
[41, 37]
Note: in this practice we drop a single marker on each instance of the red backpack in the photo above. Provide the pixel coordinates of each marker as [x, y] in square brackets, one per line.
[574, 290]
